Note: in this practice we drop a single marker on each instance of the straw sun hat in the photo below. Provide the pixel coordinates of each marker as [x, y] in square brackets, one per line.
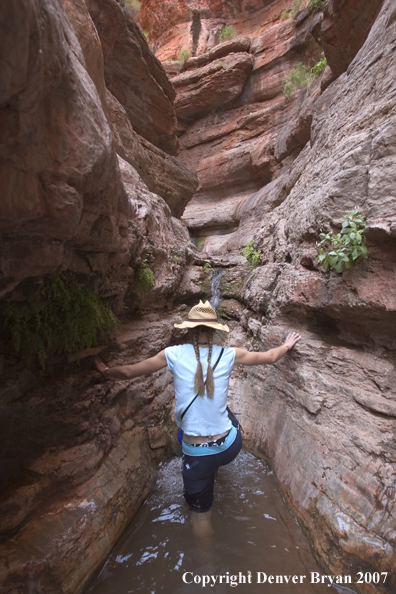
[202, 314]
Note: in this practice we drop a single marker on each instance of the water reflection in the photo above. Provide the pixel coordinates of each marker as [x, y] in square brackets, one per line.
[255, 537]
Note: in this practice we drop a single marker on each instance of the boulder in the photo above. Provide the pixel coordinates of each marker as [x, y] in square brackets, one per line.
[202, 90]
[163, 174]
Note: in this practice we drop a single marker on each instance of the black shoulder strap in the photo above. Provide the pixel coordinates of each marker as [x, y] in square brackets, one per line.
[196, 395]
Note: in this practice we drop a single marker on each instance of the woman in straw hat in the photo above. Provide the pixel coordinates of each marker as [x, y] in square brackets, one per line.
[201, 371]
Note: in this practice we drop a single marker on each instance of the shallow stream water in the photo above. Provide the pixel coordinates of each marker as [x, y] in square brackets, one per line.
[254, 535]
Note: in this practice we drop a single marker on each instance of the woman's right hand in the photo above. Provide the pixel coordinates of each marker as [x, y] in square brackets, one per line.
[100, 366]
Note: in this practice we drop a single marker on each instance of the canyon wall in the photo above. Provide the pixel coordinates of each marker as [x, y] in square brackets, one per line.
[277, 171]
[93, 182]
[90, 183]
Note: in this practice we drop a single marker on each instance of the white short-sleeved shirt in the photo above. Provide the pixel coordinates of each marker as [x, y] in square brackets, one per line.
[206, 416]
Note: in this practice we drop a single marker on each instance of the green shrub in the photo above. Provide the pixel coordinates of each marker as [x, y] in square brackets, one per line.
[300, 76]
[251, 256]
[198, 242]
[145, 277]
[295, 9]
[319, 66]
[343, 249]
[316, 5]
[60, 317]
[183, 56]
[207, 265]
[227, 32]
[284, 15]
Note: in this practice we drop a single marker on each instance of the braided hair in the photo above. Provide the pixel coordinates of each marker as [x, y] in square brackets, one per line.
[199, 384]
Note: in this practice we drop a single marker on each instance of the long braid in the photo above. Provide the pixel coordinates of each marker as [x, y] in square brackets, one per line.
[209, 374]
[199, 384]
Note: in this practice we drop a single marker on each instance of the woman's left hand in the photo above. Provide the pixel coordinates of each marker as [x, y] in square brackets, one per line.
[291, 340]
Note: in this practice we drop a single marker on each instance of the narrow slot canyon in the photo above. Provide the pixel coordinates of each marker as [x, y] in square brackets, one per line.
[154, 154]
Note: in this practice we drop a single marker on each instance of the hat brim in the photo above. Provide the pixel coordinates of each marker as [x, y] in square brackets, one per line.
[215, 325]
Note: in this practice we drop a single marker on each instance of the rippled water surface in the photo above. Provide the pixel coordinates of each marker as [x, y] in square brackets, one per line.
[254, 536]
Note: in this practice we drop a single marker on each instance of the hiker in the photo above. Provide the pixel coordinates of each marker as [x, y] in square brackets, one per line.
[201, 371]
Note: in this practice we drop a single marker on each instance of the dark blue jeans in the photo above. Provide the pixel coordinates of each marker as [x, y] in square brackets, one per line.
[198, 472]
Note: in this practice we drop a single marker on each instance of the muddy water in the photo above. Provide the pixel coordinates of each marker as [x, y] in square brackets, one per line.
[255, 537]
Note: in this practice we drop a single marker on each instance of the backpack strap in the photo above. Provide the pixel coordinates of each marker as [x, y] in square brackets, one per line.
[196, 395]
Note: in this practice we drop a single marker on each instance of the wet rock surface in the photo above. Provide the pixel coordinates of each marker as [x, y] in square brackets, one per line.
[84, 450]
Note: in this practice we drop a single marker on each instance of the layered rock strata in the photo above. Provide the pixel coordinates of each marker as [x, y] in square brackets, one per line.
[134, 75]
[278, 171]
[92, 185]
[65, 204]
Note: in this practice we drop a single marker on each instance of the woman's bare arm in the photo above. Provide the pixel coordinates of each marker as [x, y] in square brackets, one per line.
[267, 357]
[124, 372]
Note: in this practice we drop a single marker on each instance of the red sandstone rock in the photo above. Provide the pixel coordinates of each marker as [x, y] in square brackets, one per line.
[164, 175]
[327, 152]
[339, 392]
[324, 416]
[235, 148]
[157, 17]
[134, 76]
[201, 90]
[240, 44]
[76, 421]
[50, 193]
[344, 28]
[68, 202]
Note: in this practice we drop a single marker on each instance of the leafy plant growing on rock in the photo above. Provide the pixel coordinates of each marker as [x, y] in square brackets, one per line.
[295, 9]
[316, 5]
[301, 75]
[206, 265]
[253, 257]
[183, 56]
[227, 32]
[61, 316]
[145, 277]
[343, 249]
[319, 66]
[284, 15]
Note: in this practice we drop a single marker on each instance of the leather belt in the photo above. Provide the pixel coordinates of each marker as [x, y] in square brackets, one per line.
[201, 439]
